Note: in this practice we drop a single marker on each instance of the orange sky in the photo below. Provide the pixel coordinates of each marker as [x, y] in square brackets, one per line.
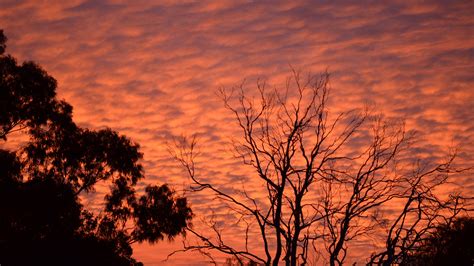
[150, 71]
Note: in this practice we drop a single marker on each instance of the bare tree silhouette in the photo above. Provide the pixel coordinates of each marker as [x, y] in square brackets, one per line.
[323, 187]
[422, 213]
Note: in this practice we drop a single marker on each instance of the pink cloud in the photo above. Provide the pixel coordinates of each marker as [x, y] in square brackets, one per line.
[151, 71]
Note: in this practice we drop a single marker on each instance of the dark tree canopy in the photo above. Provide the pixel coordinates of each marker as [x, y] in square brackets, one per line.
[27, 95]
[43, 220]
[3, 40]
[451, 244]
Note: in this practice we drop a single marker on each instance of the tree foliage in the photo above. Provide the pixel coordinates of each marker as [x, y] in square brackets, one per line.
[27, 98]
[41, 184]
[449, 244]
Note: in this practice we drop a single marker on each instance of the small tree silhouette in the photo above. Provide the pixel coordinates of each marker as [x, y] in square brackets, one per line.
[323, 185]
[451, 243]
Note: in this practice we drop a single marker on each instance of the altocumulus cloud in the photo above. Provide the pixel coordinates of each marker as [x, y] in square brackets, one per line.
[151, 71]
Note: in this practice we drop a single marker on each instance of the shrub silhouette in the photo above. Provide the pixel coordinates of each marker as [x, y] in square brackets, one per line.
[450, 244]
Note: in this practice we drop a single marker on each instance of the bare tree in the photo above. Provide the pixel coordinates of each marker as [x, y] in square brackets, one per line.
[423, 211]
[357, 186]
[318, 187]
[374, 184]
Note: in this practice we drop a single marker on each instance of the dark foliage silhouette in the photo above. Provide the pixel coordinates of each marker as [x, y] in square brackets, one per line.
[43, 221]
[450, 244]
[27, 97]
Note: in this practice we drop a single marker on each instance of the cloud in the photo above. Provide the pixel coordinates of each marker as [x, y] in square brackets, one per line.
[151, 71]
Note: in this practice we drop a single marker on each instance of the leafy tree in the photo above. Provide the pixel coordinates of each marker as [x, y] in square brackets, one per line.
[27, 95]
[43, 220]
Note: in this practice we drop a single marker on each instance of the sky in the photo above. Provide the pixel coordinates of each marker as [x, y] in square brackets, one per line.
[151, 70]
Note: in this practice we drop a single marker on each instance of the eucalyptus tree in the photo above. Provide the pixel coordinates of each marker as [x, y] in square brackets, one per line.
[43, 180]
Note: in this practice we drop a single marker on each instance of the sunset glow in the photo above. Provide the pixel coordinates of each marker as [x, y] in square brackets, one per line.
[152, 72]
